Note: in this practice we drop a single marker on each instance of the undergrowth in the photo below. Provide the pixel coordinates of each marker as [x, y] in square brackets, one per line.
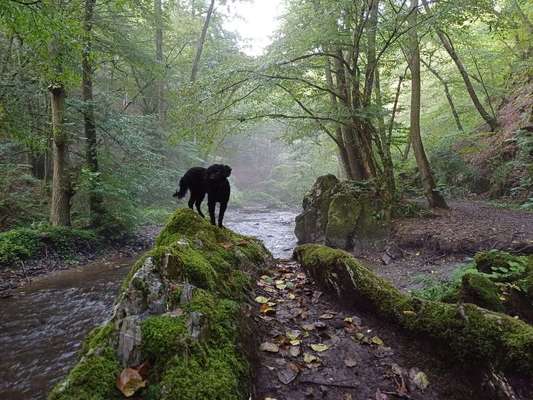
[20, 244]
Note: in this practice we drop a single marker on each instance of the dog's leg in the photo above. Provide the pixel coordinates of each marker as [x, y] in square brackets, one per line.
[198, 204]
[191, 202]
[211, 205]
[221, 212]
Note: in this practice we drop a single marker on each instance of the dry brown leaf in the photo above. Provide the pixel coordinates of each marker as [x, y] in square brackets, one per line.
[129, 381]
[269, 347]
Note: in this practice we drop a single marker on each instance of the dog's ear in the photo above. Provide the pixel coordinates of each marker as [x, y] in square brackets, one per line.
[227, 170]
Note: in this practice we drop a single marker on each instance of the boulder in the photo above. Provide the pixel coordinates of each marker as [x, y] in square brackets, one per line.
[342, 214]
[181, 311]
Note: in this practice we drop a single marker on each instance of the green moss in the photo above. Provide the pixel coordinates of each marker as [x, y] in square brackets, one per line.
[471, 332]
[480, 290]
[94, 377]
[98, 337]
[343, 214]
[164, 336]
[219, 375]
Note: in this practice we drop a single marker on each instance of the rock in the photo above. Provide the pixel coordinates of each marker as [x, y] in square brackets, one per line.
[129, 341]
[342, 214]
[196, 325]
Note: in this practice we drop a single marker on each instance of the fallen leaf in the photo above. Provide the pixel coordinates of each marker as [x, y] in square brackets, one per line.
[294, 351]
[359, 336]
[419, 378]
[266, 309]
[293, 334]
[327, 316]
[291, 296]
[308, 327]
[129, 381]
[350, 362]
[409, 312]
[377, 341]
[309, 358]
[319, 347]
[287, 375]
[261, 300]
[295, 342]
[269, 347]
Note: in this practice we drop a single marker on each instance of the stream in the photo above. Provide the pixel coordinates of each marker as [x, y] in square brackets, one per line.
[44, 323]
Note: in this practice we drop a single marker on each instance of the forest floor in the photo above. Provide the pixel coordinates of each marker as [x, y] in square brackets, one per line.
[434, 246]
[22, 273]
[311, 347]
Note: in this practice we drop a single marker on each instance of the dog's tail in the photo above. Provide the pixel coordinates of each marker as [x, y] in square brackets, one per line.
[183, 189]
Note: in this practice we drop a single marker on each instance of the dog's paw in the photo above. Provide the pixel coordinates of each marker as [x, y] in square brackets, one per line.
[175, 194]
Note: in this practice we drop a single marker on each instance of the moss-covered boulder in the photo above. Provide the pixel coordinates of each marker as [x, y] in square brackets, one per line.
[343, 214]
[472, 334]
[480, 290]
[180, 312]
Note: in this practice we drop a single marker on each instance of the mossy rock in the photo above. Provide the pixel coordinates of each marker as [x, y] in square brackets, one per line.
[193, 342]
[471, 333]
[480, 290]
[343, 214]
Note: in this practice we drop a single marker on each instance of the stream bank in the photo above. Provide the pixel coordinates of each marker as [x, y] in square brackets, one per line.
[45, 320]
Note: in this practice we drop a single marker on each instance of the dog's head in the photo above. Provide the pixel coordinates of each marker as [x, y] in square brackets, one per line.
[218, 172]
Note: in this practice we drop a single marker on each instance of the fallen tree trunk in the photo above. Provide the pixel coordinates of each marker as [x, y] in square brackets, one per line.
[472, 333]
[178, 329]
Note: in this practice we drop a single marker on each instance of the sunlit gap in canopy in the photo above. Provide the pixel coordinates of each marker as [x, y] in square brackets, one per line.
[255, 21]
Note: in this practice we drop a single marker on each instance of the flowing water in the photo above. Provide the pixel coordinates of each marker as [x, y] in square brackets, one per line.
[43, 324]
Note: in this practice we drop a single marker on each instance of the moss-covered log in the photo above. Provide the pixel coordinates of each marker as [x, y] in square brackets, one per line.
[180, 310]
[473, 334]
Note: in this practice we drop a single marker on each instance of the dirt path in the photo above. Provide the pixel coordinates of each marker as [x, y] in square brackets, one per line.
[431, 248]
[312, 348]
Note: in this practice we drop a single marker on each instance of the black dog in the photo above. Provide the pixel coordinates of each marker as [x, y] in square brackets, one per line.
[214, 182]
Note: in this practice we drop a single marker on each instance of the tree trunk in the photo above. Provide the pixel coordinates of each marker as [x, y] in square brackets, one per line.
[455, 114]
[448, 45]
[371, 50]
[433, 196]
[343, 155]
[95, 198]
[388, 166]
[201, 41]
[61, 188]
[353, 152]
[159, 82]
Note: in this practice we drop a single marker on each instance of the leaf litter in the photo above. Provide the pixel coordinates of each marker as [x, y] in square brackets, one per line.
[311, 348]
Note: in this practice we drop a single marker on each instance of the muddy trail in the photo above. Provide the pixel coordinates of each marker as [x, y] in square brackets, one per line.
[313, 348]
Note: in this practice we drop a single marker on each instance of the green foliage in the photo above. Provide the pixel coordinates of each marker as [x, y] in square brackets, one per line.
[22, 243]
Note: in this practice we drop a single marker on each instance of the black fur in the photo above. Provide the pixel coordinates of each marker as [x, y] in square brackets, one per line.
[214, 182]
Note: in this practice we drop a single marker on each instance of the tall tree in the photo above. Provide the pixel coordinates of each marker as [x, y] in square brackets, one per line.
[159, 82]
[91, 152]
[201, 42]
[450, 49]
[434, 198]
